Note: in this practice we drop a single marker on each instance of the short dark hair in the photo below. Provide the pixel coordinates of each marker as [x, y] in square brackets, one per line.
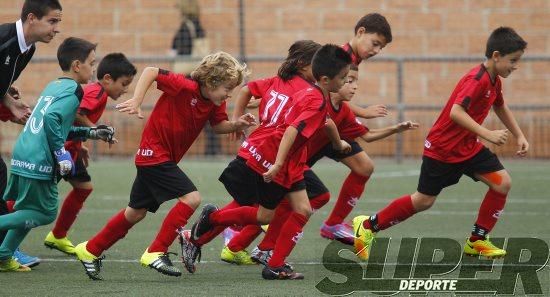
[329, 60]
[39, 8]
[116, 65]
[72, 49]
[375, 23]
[505, 41]
[300, 54]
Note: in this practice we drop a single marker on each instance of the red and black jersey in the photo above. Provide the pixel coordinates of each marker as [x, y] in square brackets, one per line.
[355, 59]
[477, 93]
[307, 114]
[277, 95]
[349, 128]
[176, 120]
[92, 106]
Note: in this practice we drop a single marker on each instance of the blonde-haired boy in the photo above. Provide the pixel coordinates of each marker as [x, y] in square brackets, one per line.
[178, 117]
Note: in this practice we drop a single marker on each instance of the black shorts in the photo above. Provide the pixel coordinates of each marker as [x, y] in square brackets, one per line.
[329, 151]
[314, 185]
[159, 183]
[247, 187]
[436, 175]
[81, 173]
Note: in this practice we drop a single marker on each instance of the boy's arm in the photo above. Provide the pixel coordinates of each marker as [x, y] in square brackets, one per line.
[370, 112]
[241, 103]
[377, 134]
[334, 137]
[243, 122]
[133, 105]
[284, 147]
[462, 118]
[505, 115]
[83, 120]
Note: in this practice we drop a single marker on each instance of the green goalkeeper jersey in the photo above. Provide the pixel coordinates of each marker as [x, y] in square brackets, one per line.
[47, 129]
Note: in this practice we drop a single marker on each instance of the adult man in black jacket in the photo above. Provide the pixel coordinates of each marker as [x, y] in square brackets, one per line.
[39, 23]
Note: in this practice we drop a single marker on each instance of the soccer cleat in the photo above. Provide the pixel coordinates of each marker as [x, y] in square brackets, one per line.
[190, 253]
[228, 234]
[160, 262]
[363, 237]
[10, 265]
[92, 264]
[282, 273]
[25, 259]
[61, 244]
[483, 248]
[202, 225]
[261, 256]
[239, 258]
[342, 232]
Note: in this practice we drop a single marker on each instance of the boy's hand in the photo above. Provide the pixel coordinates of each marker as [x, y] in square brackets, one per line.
[14, 92]
[342, 147]
[271, 173]
[131, 106]
[84, 155]
[523, 147]
[376, 111]
[102, 132]
[408, 125]
[20, 110]
[235, 135]
[498, 137]
[66, 164]
[245, 121]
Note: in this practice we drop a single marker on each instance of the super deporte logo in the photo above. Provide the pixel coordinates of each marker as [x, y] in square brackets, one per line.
[436, 265]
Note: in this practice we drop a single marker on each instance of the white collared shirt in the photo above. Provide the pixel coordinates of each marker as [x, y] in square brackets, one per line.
[21, 37]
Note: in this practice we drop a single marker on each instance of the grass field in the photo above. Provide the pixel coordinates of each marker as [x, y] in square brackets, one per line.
[526, 215]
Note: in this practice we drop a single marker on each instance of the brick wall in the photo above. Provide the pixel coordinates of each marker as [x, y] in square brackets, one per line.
[420, 27]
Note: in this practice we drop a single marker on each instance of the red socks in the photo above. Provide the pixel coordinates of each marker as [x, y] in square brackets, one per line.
[242, 216]
[70, 209]
[289, 236]
[397, 211]
[282, 212]
[489, 212]
[244, 238]
[351, 191]
[176, 217]
[115, 229]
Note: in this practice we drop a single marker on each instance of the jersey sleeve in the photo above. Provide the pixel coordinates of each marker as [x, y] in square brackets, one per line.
[470, 90]
[351, 127]
[172, 83]
[259, 87]
[311, 118]
[219, 115]
[90, 100]
[58, 112]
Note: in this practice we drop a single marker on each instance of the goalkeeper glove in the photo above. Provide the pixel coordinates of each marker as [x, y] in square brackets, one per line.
[102, 132]
[66, 164]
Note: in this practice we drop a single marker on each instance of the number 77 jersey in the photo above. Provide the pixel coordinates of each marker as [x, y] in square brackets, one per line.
[276, 98]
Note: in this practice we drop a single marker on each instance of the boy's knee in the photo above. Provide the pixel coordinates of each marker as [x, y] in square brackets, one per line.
[264, 217]
[135, 215]
[192, 199]
[422, 202]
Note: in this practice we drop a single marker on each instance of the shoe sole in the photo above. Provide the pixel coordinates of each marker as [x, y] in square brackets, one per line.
[206, 211]
[485, 256]
[330, 236]
[92, 277]
[52, 246]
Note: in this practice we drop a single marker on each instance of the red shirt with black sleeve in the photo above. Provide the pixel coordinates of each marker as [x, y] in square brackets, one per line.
[349, 128]
[477, 93]
[355, 59]
[277, 95]
[307, 114]
[92, 106]
[176, 120]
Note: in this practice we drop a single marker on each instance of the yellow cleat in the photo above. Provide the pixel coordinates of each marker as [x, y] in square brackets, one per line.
[363, 238]
[265, 227]
[483, 248]
[160, 262]
[91, 263]
[10, 265]
[61, 244]
[239, 258]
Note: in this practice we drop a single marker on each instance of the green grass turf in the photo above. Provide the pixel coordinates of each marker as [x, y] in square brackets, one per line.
[452, 216]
